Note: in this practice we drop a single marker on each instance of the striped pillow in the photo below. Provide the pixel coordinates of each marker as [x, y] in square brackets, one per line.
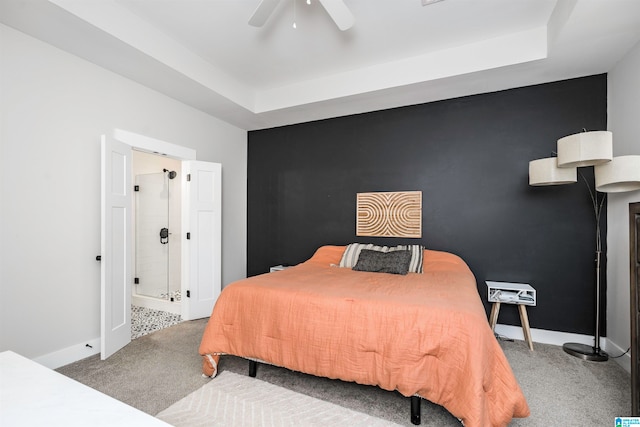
[352, 252]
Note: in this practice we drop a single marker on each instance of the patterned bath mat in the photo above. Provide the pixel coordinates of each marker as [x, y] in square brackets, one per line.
[146, 320]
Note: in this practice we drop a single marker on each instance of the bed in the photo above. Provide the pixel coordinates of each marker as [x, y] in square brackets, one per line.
[423, 334]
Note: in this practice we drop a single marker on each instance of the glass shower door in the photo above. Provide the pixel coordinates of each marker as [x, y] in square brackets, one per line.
[152, 238]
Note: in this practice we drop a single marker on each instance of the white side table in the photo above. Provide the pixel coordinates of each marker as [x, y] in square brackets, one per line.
[278, 268]
[520, 294]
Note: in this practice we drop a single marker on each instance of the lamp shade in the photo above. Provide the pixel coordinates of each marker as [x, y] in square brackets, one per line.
[585, 149]
[547, 172]
[619, 175]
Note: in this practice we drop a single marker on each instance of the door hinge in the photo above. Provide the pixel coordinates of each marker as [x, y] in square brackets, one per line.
[136, 188]
[136, 280]
[188, 236]
[188, 294]
[188, 177]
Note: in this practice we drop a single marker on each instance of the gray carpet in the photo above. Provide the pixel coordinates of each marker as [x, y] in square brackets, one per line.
[159, 369]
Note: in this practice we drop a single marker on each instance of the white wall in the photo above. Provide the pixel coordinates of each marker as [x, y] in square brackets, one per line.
[54, 108]
[624, 108]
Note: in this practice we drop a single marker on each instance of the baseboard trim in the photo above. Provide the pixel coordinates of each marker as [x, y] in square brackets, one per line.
[615, 350]
[69, 355]
[543, 336]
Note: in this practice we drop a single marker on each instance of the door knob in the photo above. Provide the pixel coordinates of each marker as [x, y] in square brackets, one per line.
[164, 236]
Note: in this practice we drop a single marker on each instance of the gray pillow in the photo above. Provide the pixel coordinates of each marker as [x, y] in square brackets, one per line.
[352, 251]
[394, 262]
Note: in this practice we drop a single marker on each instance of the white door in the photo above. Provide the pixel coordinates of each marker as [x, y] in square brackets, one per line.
[116, 243]
[203, 245]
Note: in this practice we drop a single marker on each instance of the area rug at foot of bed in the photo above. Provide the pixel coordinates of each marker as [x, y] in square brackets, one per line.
[236, 400]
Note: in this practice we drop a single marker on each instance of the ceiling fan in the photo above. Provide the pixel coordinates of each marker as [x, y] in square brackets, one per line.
[337, 10]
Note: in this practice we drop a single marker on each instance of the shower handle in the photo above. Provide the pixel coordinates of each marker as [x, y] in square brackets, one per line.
[164, 236]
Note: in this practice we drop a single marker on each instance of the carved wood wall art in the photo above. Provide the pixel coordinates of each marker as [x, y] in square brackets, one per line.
[389, 214]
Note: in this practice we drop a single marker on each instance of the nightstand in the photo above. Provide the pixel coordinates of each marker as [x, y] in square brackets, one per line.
[520, 294]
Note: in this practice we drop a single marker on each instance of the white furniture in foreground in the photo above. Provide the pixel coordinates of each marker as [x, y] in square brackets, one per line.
[32, 395]
[512, 293]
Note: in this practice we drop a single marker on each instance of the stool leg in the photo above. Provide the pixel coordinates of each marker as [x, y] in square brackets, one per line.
[524, 319]
[493, 317]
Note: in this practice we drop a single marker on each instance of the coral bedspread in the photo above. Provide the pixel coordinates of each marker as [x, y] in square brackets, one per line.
[424, 334]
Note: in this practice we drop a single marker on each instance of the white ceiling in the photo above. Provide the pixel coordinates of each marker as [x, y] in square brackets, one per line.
[203, 52]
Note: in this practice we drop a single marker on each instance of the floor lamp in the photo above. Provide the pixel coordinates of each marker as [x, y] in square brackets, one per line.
[612, 175]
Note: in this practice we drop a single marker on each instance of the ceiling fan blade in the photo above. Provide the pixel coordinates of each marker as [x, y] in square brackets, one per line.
[339, 12]
[262, 12]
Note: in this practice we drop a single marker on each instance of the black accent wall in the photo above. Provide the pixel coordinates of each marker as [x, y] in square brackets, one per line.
[469, 157]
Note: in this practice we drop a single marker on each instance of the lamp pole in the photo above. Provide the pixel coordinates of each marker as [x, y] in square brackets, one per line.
[593, 353]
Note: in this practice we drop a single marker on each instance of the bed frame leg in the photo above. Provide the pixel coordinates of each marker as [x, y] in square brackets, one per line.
[253, 368]
[415, 410]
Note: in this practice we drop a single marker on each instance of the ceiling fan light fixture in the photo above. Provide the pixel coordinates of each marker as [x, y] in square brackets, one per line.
[263, 11]
[337, 10]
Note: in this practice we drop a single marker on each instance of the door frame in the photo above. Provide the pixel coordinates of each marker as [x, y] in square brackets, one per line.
[213, 227]
[634, 211]
[178, 152]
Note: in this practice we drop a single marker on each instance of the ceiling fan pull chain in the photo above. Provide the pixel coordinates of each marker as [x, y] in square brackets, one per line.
[294, 15]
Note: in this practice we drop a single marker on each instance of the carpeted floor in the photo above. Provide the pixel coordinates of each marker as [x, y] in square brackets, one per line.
[159, 369]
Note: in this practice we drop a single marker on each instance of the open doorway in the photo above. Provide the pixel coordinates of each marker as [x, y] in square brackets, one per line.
[157, 226]
[200, 236]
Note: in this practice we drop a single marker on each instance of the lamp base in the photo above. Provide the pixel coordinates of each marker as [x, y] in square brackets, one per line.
[585, 352]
